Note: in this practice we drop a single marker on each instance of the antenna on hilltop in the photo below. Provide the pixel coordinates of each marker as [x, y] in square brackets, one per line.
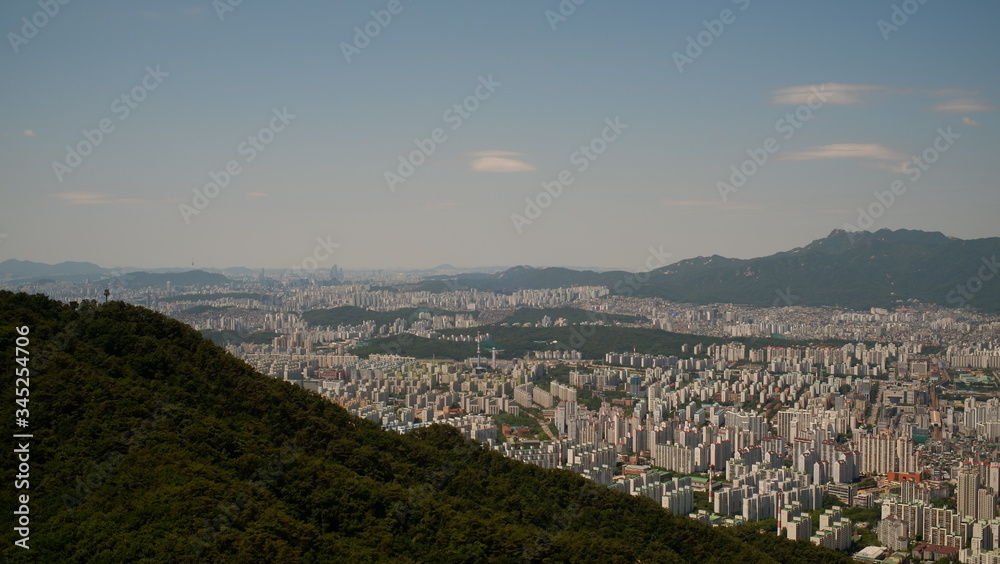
[479, 353]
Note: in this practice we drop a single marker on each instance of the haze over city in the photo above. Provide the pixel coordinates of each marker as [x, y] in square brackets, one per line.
[411, 134]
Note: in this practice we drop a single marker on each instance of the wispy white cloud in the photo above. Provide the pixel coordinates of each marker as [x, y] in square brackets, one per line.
[883, 157]
[498, 161]
[838, 94]
[29, 133]
[873, 155]
[970, 121]
[963, 105]
[829, 93]
[961, 100]
[500, 164]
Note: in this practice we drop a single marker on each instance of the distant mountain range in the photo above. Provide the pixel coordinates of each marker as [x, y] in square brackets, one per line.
[27, 271]
[13, 268]
[853, 270]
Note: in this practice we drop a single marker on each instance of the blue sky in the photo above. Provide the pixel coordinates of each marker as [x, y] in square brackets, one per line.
[688, 115]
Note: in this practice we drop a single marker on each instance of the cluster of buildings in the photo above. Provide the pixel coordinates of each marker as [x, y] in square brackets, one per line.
[806, 434]
[982, 418]
[759, 493]
[764, 432]
[912, 323]
[675, 494]
[973, 523]
[835, 530]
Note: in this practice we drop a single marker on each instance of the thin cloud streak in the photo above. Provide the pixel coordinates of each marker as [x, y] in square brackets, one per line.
[498, 161]
[871, 151]
[962, 105]
[838, 94]
[828, 93]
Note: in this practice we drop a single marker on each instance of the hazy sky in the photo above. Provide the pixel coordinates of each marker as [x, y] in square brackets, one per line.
[666, 98]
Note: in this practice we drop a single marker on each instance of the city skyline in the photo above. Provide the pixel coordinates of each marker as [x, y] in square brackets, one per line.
[408, 136]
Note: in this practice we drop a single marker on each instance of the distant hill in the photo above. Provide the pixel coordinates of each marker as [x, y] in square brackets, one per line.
[150, 444]
[853, 270]
[12, 268]
[859, 270]
[140, 280]
[570, 314]
[591, 341]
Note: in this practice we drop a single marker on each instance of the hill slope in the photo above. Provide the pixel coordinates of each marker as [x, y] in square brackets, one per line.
[151, 444]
